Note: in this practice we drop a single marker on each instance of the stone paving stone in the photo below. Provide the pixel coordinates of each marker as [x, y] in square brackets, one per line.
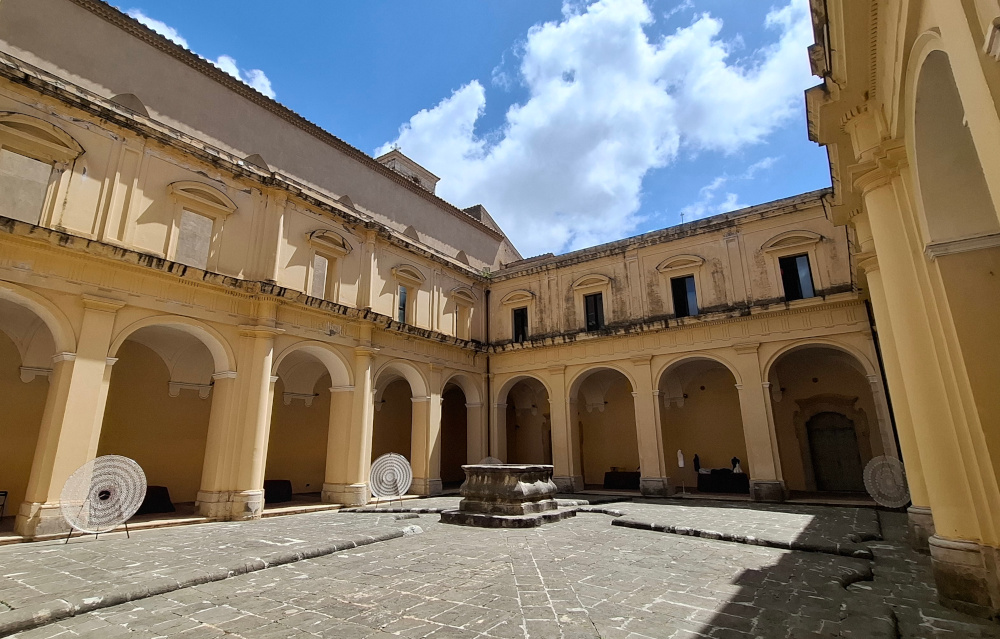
[582, 577]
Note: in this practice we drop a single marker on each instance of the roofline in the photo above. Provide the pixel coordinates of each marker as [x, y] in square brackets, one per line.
[668, 234]
[424, 168]
[140, 31]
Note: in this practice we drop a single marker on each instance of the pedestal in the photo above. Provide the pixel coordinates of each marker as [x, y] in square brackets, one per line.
[507, 496]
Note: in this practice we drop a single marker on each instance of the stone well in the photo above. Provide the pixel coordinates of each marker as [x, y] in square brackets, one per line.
[507, 496]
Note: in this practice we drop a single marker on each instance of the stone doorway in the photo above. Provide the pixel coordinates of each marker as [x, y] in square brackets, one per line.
[836, 457]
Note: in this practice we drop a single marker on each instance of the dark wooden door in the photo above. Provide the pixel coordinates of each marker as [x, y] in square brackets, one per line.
[835, 455]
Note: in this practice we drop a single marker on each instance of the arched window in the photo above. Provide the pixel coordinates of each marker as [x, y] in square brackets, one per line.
[409, 279]
[329, 248]
[200, 212]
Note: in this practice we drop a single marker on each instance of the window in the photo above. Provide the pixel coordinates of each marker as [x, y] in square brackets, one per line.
[594, 308]
[194, 240]
[401, 307]
[321, 266]
[520, 322]
[201, 211]
[685, 298]
[796, 277]
[23, 185]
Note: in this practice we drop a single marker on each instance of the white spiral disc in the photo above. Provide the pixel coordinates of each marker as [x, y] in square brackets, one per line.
[103, 494]
[885, 480]
[391, 476]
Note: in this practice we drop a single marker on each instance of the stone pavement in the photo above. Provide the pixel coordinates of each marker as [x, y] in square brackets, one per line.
[582, 577]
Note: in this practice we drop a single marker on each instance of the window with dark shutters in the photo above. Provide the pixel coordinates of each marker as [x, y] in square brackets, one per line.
[594, 308]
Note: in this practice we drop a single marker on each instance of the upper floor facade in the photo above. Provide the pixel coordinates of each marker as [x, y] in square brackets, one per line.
[783, 254]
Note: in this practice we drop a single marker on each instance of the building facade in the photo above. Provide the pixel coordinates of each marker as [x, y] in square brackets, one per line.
[224, 292]
[908, 110]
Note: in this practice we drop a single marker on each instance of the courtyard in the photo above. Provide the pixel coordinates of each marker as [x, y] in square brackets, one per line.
[621, 569]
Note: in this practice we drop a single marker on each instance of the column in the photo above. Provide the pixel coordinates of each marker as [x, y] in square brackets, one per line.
[649, 434]
[965, 575]
[351, 487]
[368, 266]
[919, 512]
[766, 483]
[566, 469]
[476, 447]
[72, 419]
[498, 431]
[236, 451]
[338, 440]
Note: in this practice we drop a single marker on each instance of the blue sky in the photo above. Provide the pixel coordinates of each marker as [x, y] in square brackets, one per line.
[574, 122]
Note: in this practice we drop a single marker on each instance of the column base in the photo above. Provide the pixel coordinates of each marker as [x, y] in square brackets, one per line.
[567, 484]
[426, 487]
[655, 486]
[230, 505]
[966, 576]
[767, 490]
[921, 525]
[39, 520]
[346, 494]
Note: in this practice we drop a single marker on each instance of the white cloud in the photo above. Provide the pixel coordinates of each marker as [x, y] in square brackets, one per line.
[681, 6]
[162, 28]
[253, 77]
[606, 105]
[708, 202]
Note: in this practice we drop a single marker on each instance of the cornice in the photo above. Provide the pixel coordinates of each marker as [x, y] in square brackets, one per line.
[24, 74]
[141, 32]
[58, 241]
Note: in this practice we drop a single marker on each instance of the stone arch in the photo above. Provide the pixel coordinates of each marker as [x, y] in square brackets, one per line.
[687, 357]
[524, 425]
[953, 198]
[55, 320]
[398, 368]
[473, 394]
[461, 430]
[37, 138]
[819, 377]
[603, 435]
[335, 363]
[511, 382]
[701, 414]
[223, 357]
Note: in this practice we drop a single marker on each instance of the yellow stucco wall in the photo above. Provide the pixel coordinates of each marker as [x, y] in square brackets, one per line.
[21, 409]
[608, 438]
[392, 428]
[296, 445]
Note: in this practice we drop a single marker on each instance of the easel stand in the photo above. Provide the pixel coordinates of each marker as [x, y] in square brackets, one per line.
[96, 535]
[398, 496]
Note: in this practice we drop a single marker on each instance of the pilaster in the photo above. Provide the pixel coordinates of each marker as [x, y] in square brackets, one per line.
[649, 434]
[764, 467]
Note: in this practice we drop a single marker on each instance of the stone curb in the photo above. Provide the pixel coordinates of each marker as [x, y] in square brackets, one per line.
[844, 550]
[30, 617]
[419, 511]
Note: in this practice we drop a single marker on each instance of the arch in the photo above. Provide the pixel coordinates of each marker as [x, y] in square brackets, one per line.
[202, 195]
[504, 389]
[58, 324]
[687, 357]
[408, 273]
[462, 257]
[398, 368]
[331, 241]
[222, 353]
[952, 195]
[520, 296]
[791, 238]
[867, 368]
[577, 380]
[411, 233]
[468, 386]
[680, 261]
[37, 138]
[334, 362]
[464, 295]
[591, 280]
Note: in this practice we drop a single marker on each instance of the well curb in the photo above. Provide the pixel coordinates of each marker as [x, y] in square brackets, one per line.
[29, 617]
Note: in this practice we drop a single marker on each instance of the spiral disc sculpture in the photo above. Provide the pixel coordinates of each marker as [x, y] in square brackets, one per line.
[103, 494]
[885, 480]
[391, 476]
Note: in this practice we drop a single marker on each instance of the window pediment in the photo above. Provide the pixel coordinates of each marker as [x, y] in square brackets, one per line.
[678, 262]
[791, 239]
[37, 138]
[464, 295]
[591, 281]
[330, 241]
[408, 274]
[205, 198]
[517, 297]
